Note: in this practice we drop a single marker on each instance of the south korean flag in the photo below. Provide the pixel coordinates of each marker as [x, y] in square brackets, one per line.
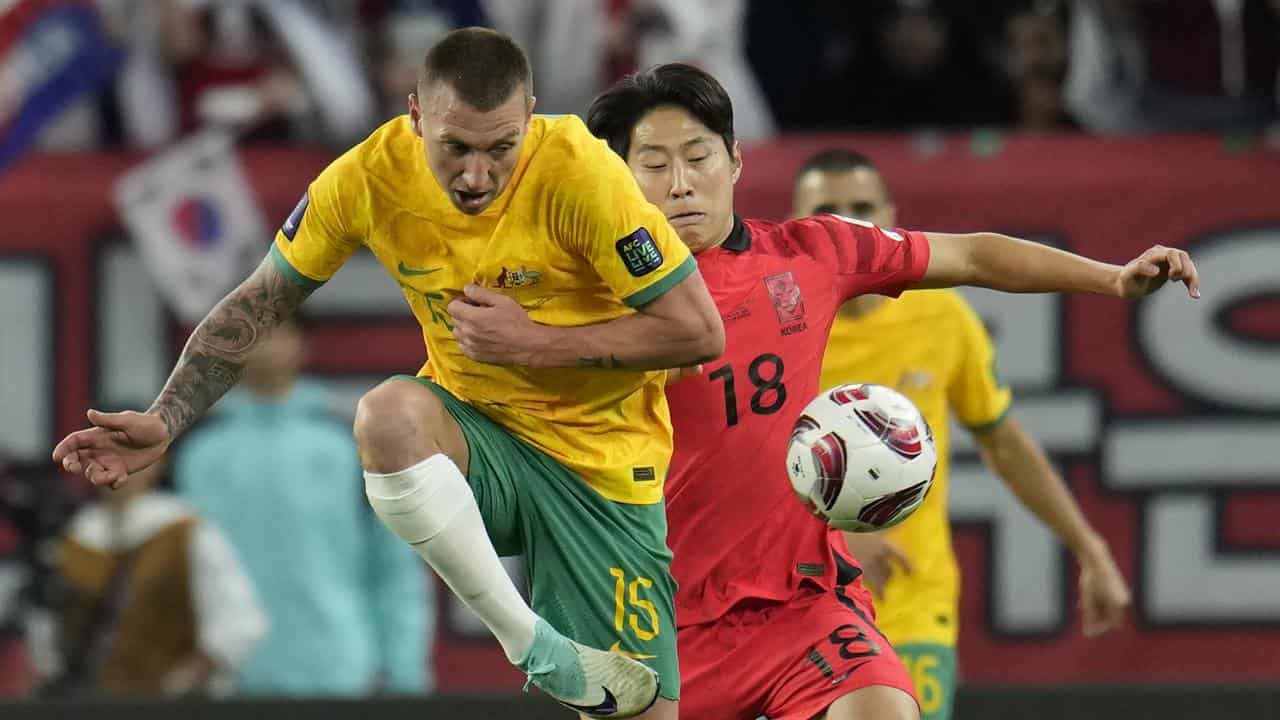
[194, 221]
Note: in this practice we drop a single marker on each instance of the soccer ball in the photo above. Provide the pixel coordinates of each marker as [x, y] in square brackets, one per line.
[861, 457]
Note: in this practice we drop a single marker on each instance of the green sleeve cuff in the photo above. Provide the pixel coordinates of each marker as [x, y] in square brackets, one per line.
[291, 272]
[991, 425]
[660, 288]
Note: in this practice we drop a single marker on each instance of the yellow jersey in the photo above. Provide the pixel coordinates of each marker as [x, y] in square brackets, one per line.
[571, 238]
[931, 346]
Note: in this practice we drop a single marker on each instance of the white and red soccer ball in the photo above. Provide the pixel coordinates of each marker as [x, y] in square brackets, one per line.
[861, 457]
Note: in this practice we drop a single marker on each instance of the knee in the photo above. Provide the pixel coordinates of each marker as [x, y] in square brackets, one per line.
[396, 413]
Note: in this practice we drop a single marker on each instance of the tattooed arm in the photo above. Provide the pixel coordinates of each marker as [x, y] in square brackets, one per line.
[213, 359]
[122, 443]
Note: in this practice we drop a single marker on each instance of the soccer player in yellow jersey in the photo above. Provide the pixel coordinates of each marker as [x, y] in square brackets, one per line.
[931, 346]
[551, 297]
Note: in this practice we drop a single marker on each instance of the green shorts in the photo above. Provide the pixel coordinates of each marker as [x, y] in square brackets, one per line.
[599, 571]
[933, 671]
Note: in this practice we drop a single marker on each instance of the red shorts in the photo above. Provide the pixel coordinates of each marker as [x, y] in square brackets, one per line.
[785, 661]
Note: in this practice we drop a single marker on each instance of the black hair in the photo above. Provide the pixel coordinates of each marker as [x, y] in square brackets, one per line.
[837, 160]
[483, 66]
[615, 112]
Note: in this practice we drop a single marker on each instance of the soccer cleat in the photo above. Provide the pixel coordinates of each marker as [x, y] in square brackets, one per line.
[593, 682]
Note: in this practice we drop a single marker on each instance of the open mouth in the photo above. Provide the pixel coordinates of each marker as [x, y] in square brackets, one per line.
[471, 201]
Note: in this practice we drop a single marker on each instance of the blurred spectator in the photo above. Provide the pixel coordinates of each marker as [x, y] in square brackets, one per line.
[34, 510]
[275, 70]
[710, 34]
[566, 41]
[1035, 64]
[349, 603]
[1174, 64]
[18, 528]
[892, 64]
[797, 49]
[401, 32]
[927, 70]
[156, 601]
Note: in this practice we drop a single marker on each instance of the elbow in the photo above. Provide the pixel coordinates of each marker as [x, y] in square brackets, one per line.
[708, 339]
[978, 267]
[715, 341]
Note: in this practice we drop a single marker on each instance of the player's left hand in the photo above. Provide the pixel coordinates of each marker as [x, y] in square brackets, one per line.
[493, 328]
[1104, 595]
[1149, 271]
[675, 375]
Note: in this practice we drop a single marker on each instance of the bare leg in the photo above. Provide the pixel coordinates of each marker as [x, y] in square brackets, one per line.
[875, 702]
[415, 458]
[415, 461]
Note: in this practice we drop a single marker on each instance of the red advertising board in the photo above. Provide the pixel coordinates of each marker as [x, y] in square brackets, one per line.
[1163, 415]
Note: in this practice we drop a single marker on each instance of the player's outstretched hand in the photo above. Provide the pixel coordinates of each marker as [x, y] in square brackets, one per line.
[878, 557]
[1149, 271]
[1104, 595]
[117, 445]
[675, 375]
[493, 328]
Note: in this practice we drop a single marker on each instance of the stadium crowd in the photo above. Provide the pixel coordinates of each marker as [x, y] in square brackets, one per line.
[76, 569]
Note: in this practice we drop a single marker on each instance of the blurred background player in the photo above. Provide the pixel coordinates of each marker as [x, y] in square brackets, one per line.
[350, 609]
[773, 619]
[932, 347]
[563, 456]
[157, 602]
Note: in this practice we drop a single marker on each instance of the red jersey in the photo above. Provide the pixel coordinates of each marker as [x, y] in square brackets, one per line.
[735, 527]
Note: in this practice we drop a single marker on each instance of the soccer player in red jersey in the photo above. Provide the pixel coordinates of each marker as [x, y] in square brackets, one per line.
[771, 616]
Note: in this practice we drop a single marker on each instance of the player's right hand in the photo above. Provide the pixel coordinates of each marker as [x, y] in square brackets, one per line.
[878, 557]
[117, 445]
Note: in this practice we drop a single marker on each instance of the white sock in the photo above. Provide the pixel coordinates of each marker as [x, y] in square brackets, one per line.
[430, 506]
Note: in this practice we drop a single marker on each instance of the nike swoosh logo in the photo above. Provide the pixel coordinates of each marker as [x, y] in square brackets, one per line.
[617, 647]
[608, 707]
[405, 270]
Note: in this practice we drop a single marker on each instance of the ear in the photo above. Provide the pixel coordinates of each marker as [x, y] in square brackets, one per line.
[533, 102]
[891, 214]
[415, 114]
[737, 161]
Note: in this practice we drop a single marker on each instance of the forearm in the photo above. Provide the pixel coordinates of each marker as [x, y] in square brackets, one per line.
[1021, 463]
[1009, 264]
[214, 356]
[633, 342]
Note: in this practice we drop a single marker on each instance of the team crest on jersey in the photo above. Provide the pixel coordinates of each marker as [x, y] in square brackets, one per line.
[524, 277]
[785, 294]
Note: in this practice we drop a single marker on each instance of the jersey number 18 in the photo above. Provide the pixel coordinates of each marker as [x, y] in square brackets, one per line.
[770, 392]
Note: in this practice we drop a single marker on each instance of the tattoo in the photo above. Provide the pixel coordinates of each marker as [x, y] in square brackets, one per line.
[214, 357]
[606, 363]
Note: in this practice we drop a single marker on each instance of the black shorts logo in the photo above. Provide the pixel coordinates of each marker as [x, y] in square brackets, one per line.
[295, 218]
[639, 253]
